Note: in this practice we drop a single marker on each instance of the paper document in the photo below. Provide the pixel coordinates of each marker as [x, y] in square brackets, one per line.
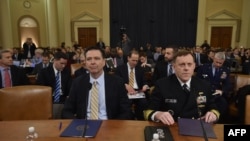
[137, 95]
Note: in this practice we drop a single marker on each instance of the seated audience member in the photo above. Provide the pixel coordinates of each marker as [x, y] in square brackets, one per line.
[109, 91]
[163, 68]
[11, 75]
[44, 64]
[182, 95]
[145, 63]
[246, 62]
[83, 70]
[209, 56]
[36, 59]
[58, 77]
[200, 57]
[219, 77]
[17, 56]
[134, 80]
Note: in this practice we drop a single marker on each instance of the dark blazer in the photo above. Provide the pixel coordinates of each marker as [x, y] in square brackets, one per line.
[160, 70]
[38, 67]
[220, 81]
[80, 71]
[122, 71]
[47, 77]
[117, 102]
[18, 77]
[26, 49]
[17, 56]
[169, 95]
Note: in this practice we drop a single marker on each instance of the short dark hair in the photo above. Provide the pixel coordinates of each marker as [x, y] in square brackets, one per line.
[58, 55]
[182, 53]
[174, 47]
[95, 48]
[133, 52]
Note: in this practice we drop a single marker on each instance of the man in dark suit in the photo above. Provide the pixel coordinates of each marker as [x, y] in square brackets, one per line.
[44, 64]
[28, 49]
[17, 56]
[113, 102]
[16, 76]
[200, 57]
[182, 95]
[47, 77]
[83, 70]
[162, 67]
[219, 77]
[140, 83]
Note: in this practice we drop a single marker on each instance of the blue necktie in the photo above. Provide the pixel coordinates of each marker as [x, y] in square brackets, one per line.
[170, 70]
[57, 88]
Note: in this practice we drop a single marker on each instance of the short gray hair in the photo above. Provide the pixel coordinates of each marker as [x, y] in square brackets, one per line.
[2, 51]
[220, 55]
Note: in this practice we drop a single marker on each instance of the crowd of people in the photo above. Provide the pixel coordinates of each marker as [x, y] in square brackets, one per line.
[184, 82]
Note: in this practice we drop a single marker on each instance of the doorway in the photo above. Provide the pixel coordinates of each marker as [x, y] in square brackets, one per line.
[221, 37]
[28, 28]
[87, 37]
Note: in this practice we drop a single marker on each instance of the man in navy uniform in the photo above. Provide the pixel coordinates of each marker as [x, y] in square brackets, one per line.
[182, 95]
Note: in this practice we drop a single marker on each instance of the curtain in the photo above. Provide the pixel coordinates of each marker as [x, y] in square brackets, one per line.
[159, 22]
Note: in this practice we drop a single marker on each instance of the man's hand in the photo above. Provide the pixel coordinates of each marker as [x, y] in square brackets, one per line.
[165, 118]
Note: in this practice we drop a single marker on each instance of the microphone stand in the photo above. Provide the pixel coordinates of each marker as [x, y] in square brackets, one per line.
[86, 113]
[202, 126]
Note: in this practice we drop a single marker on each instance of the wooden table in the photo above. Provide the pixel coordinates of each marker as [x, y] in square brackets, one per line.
[111, 130]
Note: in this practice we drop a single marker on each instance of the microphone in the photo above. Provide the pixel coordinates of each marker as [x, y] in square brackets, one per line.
[200, 101]
[89, 86]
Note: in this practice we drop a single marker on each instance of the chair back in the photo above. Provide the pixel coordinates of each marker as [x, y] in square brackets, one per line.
[74, 67]
[242, 80]
[28, 102]
[247, 109]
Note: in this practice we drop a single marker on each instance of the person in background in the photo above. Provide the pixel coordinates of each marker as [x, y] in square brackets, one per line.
[146, 63]
[205, 46]
[182, 95]
[28, 49]
[83, 70]
[17, 56]
[36, 59]
[100, 43]
[138, 83]
[163, 68]
[157, 53]
[209, 56]
[112, 101]
[246, 62]
[120, 56]
[219, 78]
[44, 64]
[125, 44]
[58, 77]
[199, 57]
[10, 75]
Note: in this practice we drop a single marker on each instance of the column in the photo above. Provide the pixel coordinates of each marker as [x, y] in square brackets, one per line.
[5, 25]
[201, 19]
[52, 22]
[64, 20]
[245, 24]
[105, 22]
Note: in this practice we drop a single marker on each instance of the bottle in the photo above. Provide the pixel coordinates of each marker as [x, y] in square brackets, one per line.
[155, 137]
[32, 135]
